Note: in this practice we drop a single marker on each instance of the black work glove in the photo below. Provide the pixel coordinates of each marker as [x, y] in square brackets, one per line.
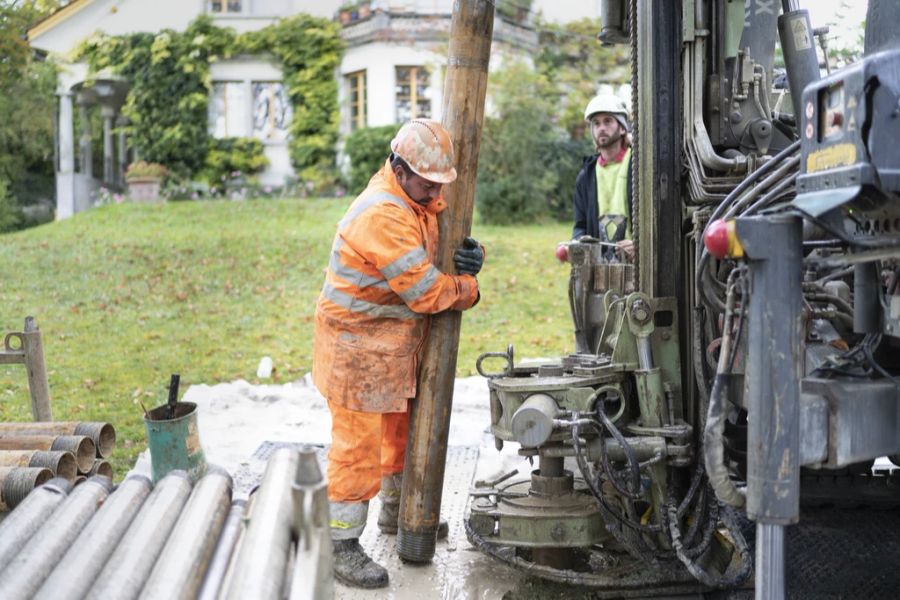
[469, 258]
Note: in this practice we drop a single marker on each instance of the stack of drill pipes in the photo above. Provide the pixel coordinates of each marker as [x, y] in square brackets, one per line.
[25, 573]
[21, 524]
[127, 569]
[61, 463]
[102, 434]
[100, 467]
[81, 446]
[228, 541]
[17, 482]
[260, 562]
[82, 563]
[184, 559]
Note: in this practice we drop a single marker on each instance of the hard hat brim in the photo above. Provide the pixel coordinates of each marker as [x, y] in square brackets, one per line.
[623, 121]
[442, 177]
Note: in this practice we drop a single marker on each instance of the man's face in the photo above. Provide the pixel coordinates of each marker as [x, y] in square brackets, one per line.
[606, 130]
[421, 190]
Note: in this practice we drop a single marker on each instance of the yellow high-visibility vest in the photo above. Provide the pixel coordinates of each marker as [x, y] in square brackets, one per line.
[612, 196]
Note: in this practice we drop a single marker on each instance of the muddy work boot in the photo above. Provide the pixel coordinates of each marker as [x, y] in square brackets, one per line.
[353, 567]
[390, 507]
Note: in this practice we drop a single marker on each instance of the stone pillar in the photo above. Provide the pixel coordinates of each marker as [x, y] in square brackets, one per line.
[65, 188]
[86, 164]
[109, 176]
[122, 163]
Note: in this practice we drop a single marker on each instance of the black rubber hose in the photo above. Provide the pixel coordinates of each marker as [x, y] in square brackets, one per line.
[633, 491]
[632, 542]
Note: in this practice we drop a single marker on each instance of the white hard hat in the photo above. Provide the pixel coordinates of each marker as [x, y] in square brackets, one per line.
[607, 103]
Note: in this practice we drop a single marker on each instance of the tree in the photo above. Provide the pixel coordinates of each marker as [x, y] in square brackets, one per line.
[575, 65]
[27, 106]
[845, 37]
[525, 157]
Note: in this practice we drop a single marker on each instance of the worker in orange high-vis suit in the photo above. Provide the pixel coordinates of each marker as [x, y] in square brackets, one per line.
[371, 321]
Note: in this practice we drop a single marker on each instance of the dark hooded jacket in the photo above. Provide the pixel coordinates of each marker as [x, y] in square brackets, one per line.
[587, 219]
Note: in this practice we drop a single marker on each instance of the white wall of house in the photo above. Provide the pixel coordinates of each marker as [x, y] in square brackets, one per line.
[244, 72]
[62, 33]
[380, 61]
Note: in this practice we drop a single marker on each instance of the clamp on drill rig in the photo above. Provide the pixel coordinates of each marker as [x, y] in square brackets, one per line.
[634, 495]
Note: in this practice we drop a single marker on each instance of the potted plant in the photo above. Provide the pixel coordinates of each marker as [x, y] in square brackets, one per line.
[365, 9]
[344, 12]
[144, 180]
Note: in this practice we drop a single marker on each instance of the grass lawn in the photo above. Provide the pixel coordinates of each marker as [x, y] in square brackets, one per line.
[126, 295]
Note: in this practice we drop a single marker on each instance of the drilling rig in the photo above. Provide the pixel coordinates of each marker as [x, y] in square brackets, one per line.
[716, 428]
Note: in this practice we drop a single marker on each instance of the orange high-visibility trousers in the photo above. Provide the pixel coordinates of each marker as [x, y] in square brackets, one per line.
[364, 446]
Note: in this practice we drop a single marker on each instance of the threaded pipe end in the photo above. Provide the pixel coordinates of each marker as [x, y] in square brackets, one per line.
[414, 546]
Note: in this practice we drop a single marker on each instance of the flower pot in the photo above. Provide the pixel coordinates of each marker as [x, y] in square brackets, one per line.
[345, 17]
[144, 189]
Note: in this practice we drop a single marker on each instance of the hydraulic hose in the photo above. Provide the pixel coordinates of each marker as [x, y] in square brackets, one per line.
[713, 447]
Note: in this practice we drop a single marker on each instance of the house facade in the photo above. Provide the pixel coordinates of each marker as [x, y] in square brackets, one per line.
[392, 70]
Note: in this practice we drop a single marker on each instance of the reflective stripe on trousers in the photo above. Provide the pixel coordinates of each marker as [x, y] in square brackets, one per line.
[348, 519]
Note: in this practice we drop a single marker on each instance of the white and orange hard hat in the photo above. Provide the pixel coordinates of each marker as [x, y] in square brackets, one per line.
[427, 148]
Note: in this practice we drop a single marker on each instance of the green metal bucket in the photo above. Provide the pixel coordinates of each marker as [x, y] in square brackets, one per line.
[175, 443]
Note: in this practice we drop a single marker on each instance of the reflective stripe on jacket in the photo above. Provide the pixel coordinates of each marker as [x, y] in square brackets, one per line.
[380, 285]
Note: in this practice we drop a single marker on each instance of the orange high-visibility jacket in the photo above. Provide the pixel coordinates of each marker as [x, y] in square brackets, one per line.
[380, 285]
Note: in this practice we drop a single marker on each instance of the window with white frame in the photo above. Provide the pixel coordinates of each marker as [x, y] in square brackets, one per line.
[413, 93]
[271, 111]
[228, 109]
[356, 83]
[225, 6]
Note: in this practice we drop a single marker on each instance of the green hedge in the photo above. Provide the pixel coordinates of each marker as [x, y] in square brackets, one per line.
[367, 150]
[231, 158]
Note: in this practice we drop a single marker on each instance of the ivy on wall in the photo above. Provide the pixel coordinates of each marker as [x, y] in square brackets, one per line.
[309, 49]
[169, 77]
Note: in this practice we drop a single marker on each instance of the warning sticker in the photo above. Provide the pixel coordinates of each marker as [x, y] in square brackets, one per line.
[839, 155]
[800, 32]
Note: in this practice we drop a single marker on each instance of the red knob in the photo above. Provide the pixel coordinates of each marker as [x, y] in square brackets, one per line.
[562, 253]
[716, 238]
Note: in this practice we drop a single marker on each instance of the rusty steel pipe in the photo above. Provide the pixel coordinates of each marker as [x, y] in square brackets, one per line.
[260, 562]
[128, 567]
[471, 29]
[228, 539]
[17, 482]
[62, 463]
[102, 434]
[82, 562]
[21, 524]
[81, 446]
[25, 573]
[184, 559]
[100, 467]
